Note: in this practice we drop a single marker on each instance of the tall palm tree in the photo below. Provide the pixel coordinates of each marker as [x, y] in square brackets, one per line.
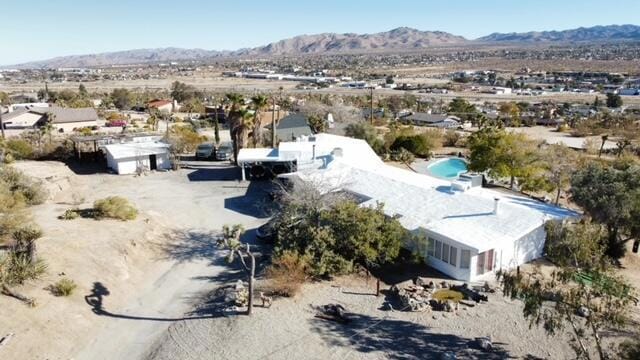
[236, 122]
[260, 102]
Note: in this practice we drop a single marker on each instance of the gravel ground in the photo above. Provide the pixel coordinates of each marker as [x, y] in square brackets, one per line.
[289, 330]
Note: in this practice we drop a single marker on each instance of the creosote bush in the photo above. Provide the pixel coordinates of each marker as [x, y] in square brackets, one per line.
[286, 274]
[64, 287]
[115, 207]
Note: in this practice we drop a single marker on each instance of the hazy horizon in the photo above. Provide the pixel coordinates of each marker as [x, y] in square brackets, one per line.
[120, 26]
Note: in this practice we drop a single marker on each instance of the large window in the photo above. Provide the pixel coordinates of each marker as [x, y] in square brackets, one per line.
[454, 256]
[431, 247]
[445, 252]
[465, 259]
[438, 250]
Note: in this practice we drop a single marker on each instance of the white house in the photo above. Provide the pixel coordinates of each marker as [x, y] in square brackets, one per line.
[469, 232]
[135, 157]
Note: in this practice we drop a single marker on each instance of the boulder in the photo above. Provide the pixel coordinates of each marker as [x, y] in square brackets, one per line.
[485, 343]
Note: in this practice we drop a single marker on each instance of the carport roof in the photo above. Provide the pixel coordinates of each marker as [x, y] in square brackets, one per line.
[257, 155]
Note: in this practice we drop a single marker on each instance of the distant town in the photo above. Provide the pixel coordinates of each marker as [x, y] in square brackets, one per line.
[478, 199]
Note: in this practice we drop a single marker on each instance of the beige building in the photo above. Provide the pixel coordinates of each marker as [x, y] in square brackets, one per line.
[64, 120]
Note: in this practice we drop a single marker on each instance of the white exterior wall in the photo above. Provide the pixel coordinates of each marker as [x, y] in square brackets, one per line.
[128, 166]
[68, 127]
[527, 248]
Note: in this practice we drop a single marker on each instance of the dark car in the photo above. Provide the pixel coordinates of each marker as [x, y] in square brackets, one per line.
[205, 151]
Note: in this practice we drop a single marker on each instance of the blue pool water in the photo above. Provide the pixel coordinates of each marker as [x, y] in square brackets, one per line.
[448, 169]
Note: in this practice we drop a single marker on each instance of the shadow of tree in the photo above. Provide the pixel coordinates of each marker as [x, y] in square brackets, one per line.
[96, 298]
[398, 339]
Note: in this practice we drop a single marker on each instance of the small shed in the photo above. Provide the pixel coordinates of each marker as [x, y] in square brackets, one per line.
[132, 158]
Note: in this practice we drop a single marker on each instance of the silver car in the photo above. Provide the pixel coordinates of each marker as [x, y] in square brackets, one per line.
[224, 152]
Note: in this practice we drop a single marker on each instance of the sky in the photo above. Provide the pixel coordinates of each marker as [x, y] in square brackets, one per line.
[42, 29]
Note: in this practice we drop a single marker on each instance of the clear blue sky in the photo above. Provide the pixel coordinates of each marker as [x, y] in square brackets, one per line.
[40, 29]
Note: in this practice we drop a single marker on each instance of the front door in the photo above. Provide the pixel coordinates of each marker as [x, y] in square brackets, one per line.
[153, 162]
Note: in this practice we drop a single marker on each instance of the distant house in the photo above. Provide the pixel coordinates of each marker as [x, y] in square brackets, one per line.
[291, 127]
[136, 157]
[442, 121]
[62, 119]
[162, 105]
[629, 92]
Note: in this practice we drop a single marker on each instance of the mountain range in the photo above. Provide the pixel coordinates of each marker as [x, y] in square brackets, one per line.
[400, 39]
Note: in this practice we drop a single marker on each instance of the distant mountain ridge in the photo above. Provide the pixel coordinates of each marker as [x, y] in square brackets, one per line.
[595, 33]
[399, 39]
[402, 38]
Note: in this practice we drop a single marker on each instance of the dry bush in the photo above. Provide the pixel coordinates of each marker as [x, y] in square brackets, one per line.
[64, 287]
[287, 273]
[115, 207]
[69, 214]
[22, 187]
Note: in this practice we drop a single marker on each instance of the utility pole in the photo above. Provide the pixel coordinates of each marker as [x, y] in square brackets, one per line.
[1, 123]
[371, 106]
[273, 124]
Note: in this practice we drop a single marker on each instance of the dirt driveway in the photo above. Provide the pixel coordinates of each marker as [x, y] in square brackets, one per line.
[134, 278]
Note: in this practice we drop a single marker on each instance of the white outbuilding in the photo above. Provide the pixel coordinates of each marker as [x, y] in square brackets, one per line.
[136, 157]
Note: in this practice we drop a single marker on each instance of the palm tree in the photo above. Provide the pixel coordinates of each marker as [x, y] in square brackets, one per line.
[236, 122]
[259, 103]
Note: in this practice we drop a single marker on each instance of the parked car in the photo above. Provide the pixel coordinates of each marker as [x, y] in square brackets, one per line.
[224, 152]
[205, 151]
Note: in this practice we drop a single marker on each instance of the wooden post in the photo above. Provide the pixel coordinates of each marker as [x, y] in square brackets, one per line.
[251, 275]
[377, 287]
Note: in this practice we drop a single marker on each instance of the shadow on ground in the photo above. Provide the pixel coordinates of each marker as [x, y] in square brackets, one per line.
[398, 339]
[405, 269]
[96, 299]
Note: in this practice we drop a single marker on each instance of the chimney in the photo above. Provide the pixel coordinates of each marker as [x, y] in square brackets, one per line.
[496, 205]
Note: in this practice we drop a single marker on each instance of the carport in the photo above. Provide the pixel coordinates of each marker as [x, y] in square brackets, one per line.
[259, 161]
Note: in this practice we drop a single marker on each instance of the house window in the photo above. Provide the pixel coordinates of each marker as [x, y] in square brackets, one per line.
[454, 256]
[438, 250]
[465, 259]
[431, 247]
[445, 252]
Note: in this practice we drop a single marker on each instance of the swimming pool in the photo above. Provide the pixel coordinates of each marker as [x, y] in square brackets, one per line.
[448, 168]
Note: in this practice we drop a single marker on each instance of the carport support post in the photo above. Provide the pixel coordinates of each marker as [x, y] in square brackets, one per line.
[244, 177]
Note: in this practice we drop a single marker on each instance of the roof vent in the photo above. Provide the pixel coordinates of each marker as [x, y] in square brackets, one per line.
[337, 152]
[496, 205]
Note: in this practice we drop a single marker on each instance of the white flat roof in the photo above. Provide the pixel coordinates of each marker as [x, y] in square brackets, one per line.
[425, 202]
[133, 150]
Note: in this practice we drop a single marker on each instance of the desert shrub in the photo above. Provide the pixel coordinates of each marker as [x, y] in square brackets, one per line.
[60, 150]
[450, 138]
[22, 187]
[286, 274]
[115, 207]
[15, 269]
[64, 287]
[420, 145]
[8, 159]
[20, 149]
[69, 214]
[402, 155]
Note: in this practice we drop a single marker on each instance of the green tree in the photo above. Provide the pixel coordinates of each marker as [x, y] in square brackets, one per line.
[577, 245]
[260, 103]
[237, 124]
[504, 155]
[122, 99]
[559, 163]
[614, 100]
[182, 92]
[82, 91]
[334, 232]
[558, 301]
[611, 197]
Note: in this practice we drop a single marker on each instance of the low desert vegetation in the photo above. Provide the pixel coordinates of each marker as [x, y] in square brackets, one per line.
[63, 287]
[287, 273]
[114, 207]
